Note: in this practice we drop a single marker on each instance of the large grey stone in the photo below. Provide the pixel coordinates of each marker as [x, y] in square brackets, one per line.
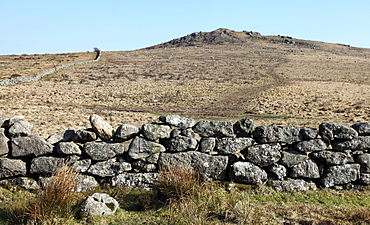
[214, 129]
[292, 158]
[101, 151]
[85, 183]
[362, 128]
[19, 126]
[101, 127]
[282, 134]
[263, 154]
[99, 204]
[207, 145]
[83, 136]
[140, 181]
[310, 145]
[357, 143]
[109, 168]
[276, 172]
[81, 165]
[68, 148]
[293, 185]
[3, 142]
[364, 161]
[210, 167]
[180, 144]
[331, 158]
[309, 133]
[339, 175]
[31, 146]
[244, 127]
[154, 132]
[331, 131]
[45, 165]
[126, 132]
[178, 121]
[248, 173]
[62, 136]
[141, 148]
[305, 169]
[228, 145]
[12, 167]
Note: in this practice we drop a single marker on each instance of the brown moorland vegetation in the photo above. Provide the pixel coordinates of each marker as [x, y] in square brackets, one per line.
[221, 74]
[12, 66]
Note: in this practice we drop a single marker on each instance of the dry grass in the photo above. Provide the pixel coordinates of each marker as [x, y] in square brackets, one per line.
[12, 66]
[55, 204]
[291, 84]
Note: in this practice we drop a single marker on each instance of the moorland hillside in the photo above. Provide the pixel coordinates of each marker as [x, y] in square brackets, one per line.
[205, 75]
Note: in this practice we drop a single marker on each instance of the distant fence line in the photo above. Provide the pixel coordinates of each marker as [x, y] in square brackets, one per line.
[22, 79]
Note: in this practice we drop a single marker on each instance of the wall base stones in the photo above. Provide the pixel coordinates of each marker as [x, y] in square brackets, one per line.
[294, 158]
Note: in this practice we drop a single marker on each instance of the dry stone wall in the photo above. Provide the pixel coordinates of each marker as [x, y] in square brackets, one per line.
[22, 79]
[290, 157]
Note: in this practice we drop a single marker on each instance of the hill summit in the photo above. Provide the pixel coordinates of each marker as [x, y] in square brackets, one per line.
[225, 36]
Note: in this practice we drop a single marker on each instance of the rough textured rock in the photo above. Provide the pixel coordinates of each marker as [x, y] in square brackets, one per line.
[364, 161]
[142, 166]
[101, 127]
[140, 181]
[292, 158]
[3, 142]
[214, 129]
[339, 175]
[293, 185]
[180, 144]
[207, 145]
[178, 121]
[45, 165]
[282, 134]
[331, 158]
[63, 136]
[23, 182]
[277, 172]
[126, 132]
[31, 146]
[99, 204]
[83, 136]
[362, 128]
[364, 179]
[355, 144]
[68, 148]
[263, 154]
[188, 133]
[309, 133]
[305, 169]
[19, 126]
[101, 151]
[81, 165]
[244, 127]
[12, 167]
[210, 167]
[310, 145]
[331, 131]
[154, 132]
[247, 173]
[85, 183]
[109, 168]
[228, 145]
[142, 148]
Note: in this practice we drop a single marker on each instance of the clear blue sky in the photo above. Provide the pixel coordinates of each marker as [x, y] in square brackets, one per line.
[58, 26]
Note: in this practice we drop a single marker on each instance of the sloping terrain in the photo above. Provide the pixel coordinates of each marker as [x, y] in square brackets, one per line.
[207, 75]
